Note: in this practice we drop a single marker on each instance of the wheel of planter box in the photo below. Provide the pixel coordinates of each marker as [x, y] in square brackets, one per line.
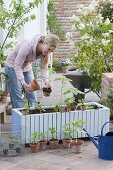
[40, 122]
[11, 143]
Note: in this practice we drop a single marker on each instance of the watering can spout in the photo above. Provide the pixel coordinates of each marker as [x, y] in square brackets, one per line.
[91, 138]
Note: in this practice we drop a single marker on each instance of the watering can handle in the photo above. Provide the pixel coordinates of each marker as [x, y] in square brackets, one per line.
[103, 127]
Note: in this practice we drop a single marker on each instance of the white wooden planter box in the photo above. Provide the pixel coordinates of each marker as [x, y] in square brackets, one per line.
[41, 122]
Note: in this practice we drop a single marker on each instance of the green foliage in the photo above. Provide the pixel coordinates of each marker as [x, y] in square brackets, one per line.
[13, 17]
[63, 81]
[26, 105]
[34, 137]
[53, 25]
[81, 101]
[68, 132]
[106, 9]
[94, 50]
[53, 132]
[73, 90]
[69, 100]
[39, 107]
[77, 127]
[43, 135]
[58, 108]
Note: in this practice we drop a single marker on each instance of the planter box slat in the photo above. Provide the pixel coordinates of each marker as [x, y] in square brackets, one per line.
[58, 126]
[41, 122]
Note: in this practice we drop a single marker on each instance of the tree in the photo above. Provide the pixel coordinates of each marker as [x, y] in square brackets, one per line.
[13, 17]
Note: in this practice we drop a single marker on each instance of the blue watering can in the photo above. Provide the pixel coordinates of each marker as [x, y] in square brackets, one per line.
[105, 144]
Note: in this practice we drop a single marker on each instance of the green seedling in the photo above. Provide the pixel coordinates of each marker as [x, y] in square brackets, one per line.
[53, 132]
[77, 127]
[34, 137]
[42, 135]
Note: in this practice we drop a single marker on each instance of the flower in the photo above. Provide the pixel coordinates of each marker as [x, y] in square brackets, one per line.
[94, 44]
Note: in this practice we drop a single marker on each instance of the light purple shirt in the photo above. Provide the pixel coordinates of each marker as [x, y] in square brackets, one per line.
[22, 57]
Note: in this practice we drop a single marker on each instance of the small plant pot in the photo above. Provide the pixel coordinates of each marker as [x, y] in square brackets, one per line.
[53, 143]
[66, 143]
[43, 145]
[46, 91]
[35, 147]
[34, 85]
[74, 106]
[76, 146]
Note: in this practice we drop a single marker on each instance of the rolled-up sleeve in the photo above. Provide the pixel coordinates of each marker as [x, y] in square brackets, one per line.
[23, 52]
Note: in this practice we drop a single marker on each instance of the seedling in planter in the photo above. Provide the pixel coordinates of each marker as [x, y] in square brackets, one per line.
[40, 108]
[34, 136]
[68, 132]
[81, 106]
[82, 101]
[68, 102]
[73, 91]
[42, 135]
[63, 80]
[53, 132]
[71, 100]
[26, 106]
[59, 108]
[77, 127]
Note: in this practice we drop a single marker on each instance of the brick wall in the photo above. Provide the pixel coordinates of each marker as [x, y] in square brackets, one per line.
[107, 81]
[65, 9]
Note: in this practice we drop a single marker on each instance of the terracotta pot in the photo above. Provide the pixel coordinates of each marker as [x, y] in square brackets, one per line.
[43, 145]
[34, 85]
[46, 91]
[53, 143]
[66, 143]
[35, 147]
[76, 147]
[73, 106]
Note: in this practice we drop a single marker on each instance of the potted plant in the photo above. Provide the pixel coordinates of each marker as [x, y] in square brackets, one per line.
[68, 138]
[63, 81]
[35, 144]
[65, 63]
[70, 101]
[77, 127]
[53, 142]
[43, 142]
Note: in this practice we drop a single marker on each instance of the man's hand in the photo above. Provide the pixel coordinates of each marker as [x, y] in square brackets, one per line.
[47, 84]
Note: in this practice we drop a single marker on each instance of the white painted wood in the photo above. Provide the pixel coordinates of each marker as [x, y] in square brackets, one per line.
[41, 122]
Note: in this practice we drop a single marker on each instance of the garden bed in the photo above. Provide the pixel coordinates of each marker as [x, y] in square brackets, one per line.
[94, 119]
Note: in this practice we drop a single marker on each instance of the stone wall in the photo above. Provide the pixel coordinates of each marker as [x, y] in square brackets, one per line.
[107, 81]
[65, 9]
